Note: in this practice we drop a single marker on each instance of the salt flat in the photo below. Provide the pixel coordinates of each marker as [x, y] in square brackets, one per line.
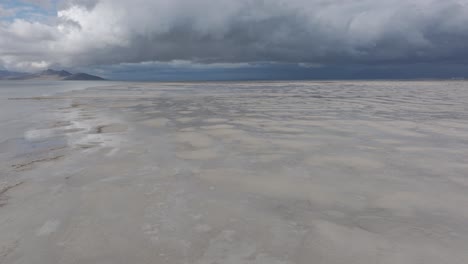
[236, 172]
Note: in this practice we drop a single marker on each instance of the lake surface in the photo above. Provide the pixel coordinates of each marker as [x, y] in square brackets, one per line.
[234, 172]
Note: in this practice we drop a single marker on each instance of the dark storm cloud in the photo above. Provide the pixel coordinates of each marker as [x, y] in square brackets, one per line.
[235, 31]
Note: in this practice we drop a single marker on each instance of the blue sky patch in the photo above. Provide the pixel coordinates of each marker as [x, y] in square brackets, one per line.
[27, 11]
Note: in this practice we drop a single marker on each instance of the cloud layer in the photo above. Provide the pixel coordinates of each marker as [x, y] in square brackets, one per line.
[93, 32]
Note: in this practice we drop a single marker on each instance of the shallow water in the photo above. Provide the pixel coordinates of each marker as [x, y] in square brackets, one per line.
[249, 172]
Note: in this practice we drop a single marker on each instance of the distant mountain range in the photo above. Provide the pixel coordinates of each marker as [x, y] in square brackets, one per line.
[49, 74]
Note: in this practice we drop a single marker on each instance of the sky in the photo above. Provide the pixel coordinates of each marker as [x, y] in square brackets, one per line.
[237, 39]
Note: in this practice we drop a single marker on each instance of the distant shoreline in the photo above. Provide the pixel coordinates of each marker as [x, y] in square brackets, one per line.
[247, 80]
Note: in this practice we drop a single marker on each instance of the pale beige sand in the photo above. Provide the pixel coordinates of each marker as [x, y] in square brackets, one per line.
[216, 120]
[241, 173]
[185, 119]
[199, 154]
[111, 128]
[357, 163]
[197, 140]
[156, 122]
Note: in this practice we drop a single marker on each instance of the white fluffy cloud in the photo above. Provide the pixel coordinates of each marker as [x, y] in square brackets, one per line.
[235, 31]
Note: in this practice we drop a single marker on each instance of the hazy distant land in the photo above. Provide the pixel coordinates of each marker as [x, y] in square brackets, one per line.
[241, 173]
[50, 75]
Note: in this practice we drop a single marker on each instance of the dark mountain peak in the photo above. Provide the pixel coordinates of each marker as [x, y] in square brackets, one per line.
[82, 77]
[61, 73]
[49, 74]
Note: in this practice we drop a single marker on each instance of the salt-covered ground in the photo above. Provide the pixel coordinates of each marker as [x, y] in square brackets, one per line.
[249, 172]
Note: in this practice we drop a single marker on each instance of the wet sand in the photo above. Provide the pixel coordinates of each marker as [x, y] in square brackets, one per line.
[249, 172]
